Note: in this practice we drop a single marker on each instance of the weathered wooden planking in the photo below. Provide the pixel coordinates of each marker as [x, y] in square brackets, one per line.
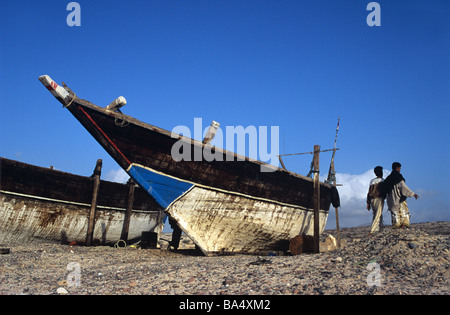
[221, 222]
[147, 145]
[27, 219]
[91, 220]
[54, 184]
[38, 202]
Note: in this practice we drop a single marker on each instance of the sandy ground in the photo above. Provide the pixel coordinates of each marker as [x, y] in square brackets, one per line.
[411, 261]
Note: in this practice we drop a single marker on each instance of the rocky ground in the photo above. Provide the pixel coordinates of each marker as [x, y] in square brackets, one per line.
[412, 261]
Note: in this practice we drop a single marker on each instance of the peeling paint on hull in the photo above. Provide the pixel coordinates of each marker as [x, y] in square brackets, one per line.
[221, 221]
[43, 203]
[25, 219]
[228, 223]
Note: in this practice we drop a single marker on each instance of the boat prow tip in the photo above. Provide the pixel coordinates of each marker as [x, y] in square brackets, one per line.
[58, 91]
[44, 76]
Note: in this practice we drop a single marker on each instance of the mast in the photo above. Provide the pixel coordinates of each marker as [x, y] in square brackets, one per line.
[331, 179]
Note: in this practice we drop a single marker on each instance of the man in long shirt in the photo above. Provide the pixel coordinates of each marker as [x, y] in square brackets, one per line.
[397, 192]
[375, 200]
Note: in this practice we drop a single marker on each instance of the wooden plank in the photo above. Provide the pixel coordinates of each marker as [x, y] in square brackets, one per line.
[337, 212]
[332, 178]
[316, 198]
[43, 182]
[91, 223]
[126, 221]
[176, 234]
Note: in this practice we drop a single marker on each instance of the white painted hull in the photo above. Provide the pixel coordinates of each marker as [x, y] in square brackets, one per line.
[223, 222]
[29, 218]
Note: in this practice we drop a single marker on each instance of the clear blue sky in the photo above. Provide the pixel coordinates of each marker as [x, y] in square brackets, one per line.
[293, 64]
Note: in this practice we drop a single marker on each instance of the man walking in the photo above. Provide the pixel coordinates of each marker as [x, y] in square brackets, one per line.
[397, 192]
[375, 199]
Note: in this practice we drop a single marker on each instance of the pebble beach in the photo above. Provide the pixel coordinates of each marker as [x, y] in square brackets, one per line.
[391, 262]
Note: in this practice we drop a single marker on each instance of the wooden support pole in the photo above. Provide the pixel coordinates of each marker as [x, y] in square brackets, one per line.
[316, 199]
[91, 222]
[126, 220]
[337, 212]
[176, 234]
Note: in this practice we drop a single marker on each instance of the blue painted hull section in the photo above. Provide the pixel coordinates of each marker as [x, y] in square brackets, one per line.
[163, 188]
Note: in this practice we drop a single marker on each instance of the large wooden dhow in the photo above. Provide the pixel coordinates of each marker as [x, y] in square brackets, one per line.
[226, 204]
[38, 203]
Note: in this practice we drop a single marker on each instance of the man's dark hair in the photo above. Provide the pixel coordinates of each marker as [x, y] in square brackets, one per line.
[378, 171]
[395, 165]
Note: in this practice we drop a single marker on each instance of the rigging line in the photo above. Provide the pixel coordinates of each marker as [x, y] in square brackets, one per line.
[289, 154]
[104, 134]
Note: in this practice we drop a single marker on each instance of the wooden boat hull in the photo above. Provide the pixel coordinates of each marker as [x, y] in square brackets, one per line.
[26, 219]
[225, 204]
[44, 204]
[236, 223]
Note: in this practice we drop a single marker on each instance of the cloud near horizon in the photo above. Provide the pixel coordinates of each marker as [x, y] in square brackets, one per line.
[353, 194]
[118, 176]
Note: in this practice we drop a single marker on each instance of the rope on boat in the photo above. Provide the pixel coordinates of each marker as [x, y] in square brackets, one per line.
[120, 116]
[73, 98]
[117, 244]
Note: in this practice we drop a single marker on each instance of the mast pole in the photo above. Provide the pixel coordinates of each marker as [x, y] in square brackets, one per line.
[332, 181]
